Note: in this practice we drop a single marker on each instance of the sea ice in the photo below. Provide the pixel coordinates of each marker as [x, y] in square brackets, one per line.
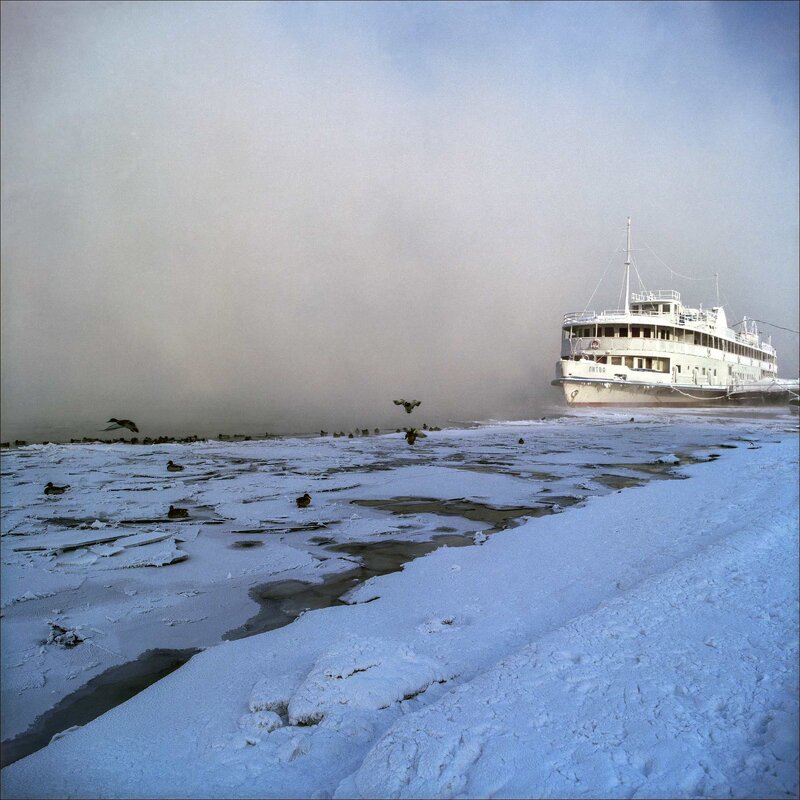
[641, 642]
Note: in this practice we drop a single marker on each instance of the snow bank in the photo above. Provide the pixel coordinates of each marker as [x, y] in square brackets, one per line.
[686, 686]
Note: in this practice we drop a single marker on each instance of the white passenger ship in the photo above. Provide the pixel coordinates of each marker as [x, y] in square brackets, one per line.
[656, 351]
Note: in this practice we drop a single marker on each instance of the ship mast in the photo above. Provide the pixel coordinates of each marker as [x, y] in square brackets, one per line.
[628, 270]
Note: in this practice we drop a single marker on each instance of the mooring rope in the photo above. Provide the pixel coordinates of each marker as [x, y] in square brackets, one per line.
[764, 322]
[694, 397]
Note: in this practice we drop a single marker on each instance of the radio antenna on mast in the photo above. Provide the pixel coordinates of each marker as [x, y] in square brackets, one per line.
[628, 270]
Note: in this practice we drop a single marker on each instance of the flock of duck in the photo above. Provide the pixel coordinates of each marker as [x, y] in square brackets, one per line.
[411, 436]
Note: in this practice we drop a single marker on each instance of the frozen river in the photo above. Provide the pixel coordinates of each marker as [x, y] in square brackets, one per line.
[103, 594]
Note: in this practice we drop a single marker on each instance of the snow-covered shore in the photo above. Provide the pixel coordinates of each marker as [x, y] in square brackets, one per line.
[643, 643]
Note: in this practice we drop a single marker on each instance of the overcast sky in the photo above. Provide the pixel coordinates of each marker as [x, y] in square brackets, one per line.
[282, 216]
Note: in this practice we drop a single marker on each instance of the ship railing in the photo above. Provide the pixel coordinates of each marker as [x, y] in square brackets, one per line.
[660, 294]
[693, 317]
[608, 314]
[579, 316]
[651, 314]
[591, 316]
[614, 312]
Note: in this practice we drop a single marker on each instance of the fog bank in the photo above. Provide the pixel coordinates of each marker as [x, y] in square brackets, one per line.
[283, 216]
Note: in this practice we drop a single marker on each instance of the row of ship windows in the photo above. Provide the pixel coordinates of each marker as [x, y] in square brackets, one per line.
[632, 362]
[668, 334]
[654, 364]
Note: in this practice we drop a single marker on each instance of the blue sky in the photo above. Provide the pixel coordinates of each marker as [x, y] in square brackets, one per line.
[759, 38]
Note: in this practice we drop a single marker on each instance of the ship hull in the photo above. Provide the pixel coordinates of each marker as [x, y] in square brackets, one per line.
[612, 393]
[621, 393]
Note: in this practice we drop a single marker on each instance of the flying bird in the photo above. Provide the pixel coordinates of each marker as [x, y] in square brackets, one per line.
[52, 489]
[304, 501]
[412, 434]
[122, 423]
[408, 405]
[173, 467]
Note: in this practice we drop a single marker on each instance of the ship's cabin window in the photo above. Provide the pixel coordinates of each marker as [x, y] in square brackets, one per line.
[647, 333]
[616, 360]
[635, 330]
[608, 331]
[666, 307]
